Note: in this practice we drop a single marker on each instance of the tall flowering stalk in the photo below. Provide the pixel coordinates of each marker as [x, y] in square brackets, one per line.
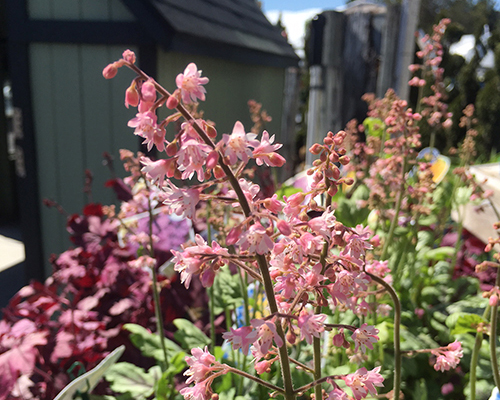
[299, 261]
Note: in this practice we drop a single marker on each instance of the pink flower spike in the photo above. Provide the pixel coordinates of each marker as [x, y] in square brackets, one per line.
[190, 83]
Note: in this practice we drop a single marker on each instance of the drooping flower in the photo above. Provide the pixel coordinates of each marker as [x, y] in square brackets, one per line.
[311, 325]
[241, 338]
[364, 337]
[448, 357]
[190, 84]
[363, 382]
[264, 153]
[237, 145]
[266, 331]
[181, 202]
[146, 127]
[256, 240]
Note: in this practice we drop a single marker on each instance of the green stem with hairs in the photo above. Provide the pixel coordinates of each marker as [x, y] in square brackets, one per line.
[493, 337]
[475, 358]
[397, 333]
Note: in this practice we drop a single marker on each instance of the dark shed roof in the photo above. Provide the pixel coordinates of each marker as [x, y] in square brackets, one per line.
[230, 29]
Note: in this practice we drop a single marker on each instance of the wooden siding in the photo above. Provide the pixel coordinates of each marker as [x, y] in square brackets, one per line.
[84, 10]
[77, 116]
[231, 86]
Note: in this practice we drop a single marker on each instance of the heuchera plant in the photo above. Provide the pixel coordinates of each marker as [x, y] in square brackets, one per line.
[311, 267]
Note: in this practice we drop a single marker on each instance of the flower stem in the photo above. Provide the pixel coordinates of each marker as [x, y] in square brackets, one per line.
[397, 333]
[493, 337]
[475, 358]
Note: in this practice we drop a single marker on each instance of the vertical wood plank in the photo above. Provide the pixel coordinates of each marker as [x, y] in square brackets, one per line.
[96, 10]
[42, 83]
[39, 9]
[119, 12]
[66, 9]
[97, 137]
[68, 125]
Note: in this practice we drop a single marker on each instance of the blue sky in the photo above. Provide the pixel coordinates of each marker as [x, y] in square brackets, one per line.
[296, 5]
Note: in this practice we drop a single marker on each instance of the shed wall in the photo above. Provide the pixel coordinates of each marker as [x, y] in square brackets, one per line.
[77, 117]
[231, 86]
[82, 10]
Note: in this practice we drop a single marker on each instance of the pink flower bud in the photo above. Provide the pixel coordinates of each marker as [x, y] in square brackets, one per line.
[172, 103]
[273, 204]
[212, 159]
[131, 96]
[284, 228]
[296, 199]
[493, 300]
[276, 160]
[219, 172]
[315, 148]
[263, 366]
[171, 149]
[233, 236]
[110, 71]
[129, 56]
[148, 91]
[145, 106]
[211, 131]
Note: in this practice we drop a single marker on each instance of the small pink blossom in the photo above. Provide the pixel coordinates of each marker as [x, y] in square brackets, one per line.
[363, 382]
[311, 325]
[448, 357]
[156, 170]
[146, 127]
[266, 334]
[337, 394]
[256, 240]
[241, 338]
[364, 337]
[190, 84]
[181, 202]
[264, 153]
[237, 145]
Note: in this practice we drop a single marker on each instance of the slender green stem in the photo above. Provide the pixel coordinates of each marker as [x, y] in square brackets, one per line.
[397, 333]
[493, 337]
[255, 379]
[156, 294]
[475, 358]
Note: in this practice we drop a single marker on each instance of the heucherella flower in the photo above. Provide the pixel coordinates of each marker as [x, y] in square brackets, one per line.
[364, 337]
[199, 259]
[237, 145]
[363, 382]
[324, 224]
[157, 170]
[191, 158]
[146, 127]
[311, 325]
[241, 338]
[357, 243]
[337, 394]
[266, 332]
[190, 83]
[448, 357]
[264, 153]
[181, 202]
[256, 240]
[203, 369]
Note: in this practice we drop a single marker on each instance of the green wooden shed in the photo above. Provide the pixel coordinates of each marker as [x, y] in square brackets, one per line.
[69, 115]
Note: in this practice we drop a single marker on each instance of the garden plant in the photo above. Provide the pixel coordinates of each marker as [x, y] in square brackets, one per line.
[352, 288]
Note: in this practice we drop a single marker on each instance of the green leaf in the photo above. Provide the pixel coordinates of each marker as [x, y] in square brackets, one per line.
[374, 126]
[149, 343]
[227, 395]
[88, 381]
[128, 378]
[464, 323]
[227, 291]
[462, 196]
[188, 335]
[439, 254]
[287, 191]
[386, 332]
